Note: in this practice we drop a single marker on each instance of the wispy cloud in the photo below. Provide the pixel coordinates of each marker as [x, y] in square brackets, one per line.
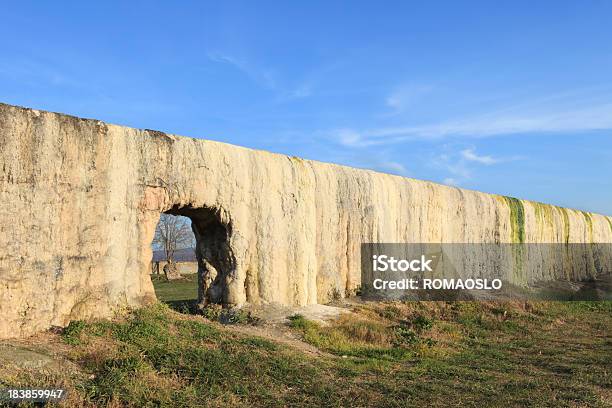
[262, 76]
[379, 160]
[392, 167]
[463, 164]
[455, 165]
[406, 96]
[265, 77]
[35, 72]
[450, 181]
[577, 119]
[348, 137]
[470, 155]
[302, 91]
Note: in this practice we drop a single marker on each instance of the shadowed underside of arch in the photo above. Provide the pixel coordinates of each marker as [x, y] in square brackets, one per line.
[216, 263]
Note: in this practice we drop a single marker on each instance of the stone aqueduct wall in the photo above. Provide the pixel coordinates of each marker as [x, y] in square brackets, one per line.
[80, 199]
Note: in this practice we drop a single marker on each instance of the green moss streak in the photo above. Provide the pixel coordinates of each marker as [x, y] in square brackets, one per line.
[517, 231]
[517, 219]
[544, 216]
[566, 224]
[539, 211]
[589, 223]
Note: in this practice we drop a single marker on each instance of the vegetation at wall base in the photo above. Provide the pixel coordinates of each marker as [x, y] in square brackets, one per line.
[383, 354]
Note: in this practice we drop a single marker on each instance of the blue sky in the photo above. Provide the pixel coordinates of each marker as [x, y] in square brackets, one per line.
[512, 98]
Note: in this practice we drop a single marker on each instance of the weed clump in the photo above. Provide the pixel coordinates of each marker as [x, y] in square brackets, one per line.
[72, 333]
[229, 316]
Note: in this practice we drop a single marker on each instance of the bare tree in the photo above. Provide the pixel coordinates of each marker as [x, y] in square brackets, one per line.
[172, 233]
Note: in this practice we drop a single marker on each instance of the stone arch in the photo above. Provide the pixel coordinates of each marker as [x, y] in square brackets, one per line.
[216, 260]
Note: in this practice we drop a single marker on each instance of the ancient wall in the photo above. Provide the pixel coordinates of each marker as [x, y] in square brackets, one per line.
[80, 199]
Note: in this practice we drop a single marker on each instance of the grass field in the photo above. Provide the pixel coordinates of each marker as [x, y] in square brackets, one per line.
[180, 294]
[381, 355]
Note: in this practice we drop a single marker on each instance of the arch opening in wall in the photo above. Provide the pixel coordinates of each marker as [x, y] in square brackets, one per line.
[174, 266]
[215, 259]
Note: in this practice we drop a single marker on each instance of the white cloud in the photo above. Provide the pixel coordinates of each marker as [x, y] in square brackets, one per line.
[393, 102]
[456, 166]
[578, 119]
[217, 57]
[377, 160]
[470, 155]
[406, 96]
[348, 137]
[462, 164]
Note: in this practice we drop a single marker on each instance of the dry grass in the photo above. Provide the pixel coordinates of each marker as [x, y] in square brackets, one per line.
[383, 355]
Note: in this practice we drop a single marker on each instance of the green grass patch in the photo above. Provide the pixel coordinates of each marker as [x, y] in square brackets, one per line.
[181, 294]
[176, 290]
[546, 354]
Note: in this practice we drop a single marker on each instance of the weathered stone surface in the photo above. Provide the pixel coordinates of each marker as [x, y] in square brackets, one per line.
[80, 199]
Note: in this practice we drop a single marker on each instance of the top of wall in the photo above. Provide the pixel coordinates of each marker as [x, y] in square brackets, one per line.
[7, 109]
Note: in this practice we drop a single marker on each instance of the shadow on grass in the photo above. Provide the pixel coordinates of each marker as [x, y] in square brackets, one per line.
[184, 306]
[181, 295]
